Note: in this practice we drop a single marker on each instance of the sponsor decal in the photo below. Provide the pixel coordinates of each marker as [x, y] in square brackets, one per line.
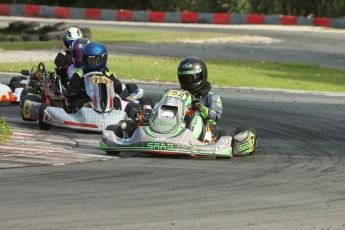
[187, 65]
[164, 123]
[160, 146]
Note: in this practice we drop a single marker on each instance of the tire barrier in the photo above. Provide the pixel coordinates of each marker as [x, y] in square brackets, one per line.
[32, 31]
[43, 11]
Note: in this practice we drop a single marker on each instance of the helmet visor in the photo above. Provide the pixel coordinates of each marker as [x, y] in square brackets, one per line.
[190, 77]
[95, 60]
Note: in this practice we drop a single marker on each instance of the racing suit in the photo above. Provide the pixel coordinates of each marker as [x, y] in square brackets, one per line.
[62, 61]
[76, 91]
[211, 108]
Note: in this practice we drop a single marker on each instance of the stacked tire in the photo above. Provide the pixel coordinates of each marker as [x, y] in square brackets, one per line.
[32, 31]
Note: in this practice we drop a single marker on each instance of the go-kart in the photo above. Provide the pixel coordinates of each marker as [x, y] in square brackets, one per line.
[95, 115]
[44, 85]
[12, 91]
[173, 127]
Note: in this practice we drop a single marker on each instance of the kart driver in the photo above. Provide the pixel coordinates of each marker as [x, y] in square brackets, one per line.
[192, 75]
[94, 56]
[77, 56]
[64, 58]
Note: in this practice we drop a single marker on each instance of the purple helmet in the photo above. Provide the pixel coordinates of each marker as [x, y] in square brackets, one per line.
[77, 47]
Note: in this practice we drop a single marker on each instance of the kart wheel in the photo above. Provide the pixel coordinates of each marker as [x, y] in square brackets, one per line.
[17, 79]
[146, 101]
[253, 138]
[43, 125]
[112, 153]
[131, 87]
[13, 85]
[118, 131]
[25, 92]
[34, 98]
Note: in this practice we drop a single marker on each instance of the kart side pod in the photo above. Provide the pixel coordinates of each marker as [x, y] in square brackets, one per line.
[244, 143]
[30, 110]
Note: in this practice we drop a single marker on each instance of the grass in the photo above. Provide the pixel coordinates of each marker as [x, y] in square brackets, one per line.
[221, 73]
[114, 36]
[5, 131]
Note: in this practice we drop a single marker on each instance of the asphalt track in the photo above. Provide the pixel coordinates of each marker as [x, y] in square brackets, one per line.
[294, 181]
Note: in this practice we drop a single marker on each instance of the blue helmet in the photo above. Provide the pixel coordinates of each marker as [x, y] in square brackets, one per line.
[95, 56]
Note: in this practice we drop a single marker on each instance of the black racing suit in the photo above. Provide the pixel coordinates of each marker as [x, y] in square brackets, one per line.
[62, 61]
[76, 91]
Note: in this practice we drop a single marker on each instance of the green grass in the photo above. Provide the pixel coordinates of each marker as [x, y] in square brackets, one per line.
[5, 131]
[114, 36]
[222, 73]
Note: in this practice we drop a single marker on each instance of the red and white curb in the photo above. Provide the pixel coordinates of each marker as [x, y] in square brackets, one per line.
[29, 148]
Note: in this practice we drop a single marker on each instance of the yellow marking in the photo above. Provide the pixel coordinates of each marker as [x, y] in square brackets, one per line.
[177, 93]
[101, 79]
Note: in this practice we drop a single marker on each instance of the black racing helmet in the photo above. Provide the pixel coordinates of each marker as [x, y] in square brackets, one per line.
[192, 74]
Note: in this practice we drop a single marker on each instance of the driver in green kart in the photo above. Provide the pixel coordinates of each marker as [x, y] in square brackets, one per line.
[192, 75]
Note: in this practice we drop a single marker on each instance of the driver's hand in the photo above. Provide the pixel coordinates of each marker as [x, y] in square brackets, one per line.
[196, 104]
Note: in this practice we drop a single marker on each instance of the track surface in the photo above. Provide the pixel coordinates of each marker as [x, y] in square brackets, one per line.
[295, 180]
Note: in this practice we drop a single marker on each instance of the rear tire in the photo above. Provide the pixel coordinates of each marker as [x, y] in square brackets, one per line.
[17, 79]
[112, 153]
[26, 92]
[34, 98]
[43, 125]
[13, 85]
[146, 101]
[131, 87]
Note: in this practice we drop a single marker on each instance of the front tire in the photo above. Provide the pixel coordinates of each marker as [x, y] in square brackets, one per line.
[252, 141]
[43, 125]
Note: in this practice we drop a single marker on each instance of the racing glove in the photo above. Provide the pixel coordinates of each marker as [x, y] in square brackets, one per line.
[197, 105]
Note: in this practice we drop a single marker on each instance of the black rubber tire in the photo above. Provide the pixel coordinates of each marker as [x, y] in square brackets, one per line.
[25, 92]
[86, 32]
[34, 98]
[118, 131]
[19, 78]
[31, 37]
[43, 125]
[131, 87]
[47, 37]
[4, 39]
[146, 101]
[15, 26]
[60, 26]
[112, 153]
[13, 85]
[16, 38]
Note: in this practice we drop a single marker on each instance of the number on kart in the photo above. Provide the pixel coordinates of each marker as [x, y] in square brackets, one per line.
[177, 93]
[101, 79]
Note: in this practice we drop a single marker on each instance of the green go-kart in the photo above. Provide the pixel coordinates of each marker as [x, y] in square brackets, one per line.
[173, 127]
